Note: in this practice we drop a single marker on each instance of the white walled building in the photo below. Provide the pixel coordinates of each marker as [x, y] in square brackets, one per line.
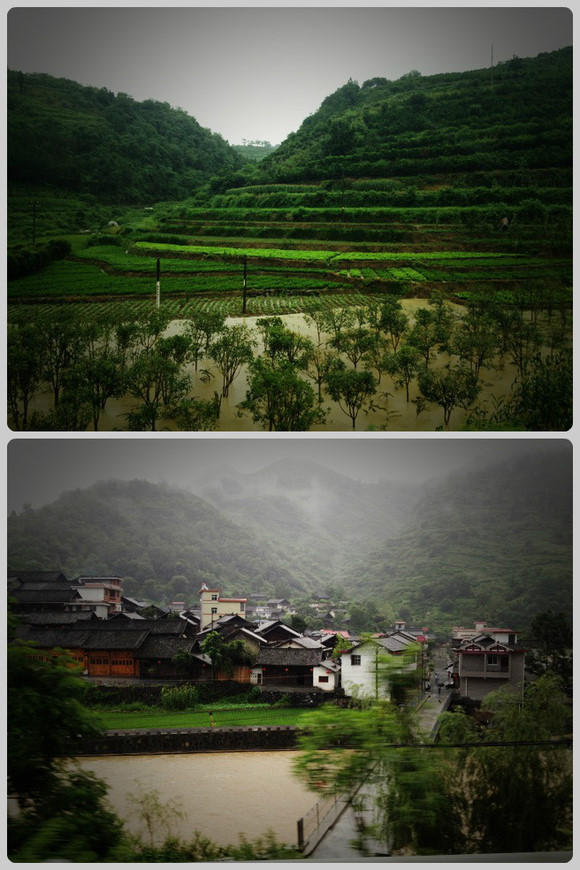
[326, 676]
[101, 594]
[361, 674]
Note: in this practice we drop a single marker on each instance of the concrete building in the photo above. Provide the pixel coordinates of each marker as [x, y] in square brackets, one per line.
[212, 606]
[484, 664]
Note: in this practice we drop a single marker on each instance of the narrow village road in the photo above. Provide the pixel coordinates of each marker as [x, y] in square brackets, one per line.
[336, 844]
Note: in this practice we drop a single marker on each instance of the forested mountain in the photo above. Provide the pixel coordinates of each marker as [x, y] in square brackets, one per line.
[515, 116]
[152, 533]
[87, 140]
[493, 542]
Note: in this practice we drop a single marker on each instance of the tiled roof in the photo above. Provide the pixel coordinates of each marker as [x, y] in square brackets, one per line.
[58, 617]
[45, 596]
[155, 646]
[40, 576]
[77, 638]
[174, 627]
[305, 642]
[392, 644]
[288, 657]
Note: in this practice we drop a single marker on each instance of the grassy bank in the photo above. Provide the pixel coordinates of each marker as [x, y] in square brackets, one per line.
[222, 717]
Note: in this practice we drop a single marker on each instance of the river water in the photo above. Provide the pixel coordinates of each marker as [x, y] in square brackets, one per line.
[220, 794]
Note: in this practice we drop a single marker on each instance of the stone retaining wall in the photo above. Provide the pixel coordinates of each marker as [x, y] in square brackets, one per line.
[147, 742]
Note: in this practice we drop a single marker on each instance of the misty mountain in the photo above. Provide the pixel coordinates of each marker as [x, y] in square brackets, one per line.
[318, 515]
[152, 533]
[288, 529]
[493, 542]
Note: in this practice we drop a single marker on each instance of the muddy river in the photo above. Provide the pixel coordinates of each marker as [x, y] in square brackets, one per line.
[219, 794]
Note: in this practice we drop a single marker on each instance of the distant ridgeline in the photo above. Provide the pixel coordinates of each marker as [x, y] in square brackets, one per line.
[514, 118]
[88, 140]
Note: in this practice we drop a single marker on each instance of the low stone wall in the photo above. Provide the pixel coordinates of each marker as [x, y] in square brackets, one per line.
[147, 742]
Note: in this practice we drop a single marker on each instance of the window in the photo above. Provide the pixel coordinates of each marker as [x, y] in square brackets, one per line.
[242, 606]
[214, 598]
[497, 663]
[355, 660]
[214, 610]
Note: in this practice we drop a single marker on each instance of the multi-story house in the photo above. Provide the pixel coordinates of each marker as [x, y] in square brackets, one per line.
[484, 663]
[102, 594]
[212, 606]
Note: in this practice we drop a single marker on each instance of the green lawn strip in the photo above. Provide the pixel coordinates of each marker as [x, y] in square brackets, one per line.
[247, 715]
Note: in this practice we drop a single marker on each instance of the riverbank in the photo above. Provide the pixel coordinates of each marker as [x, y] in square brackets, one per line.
[184, 740]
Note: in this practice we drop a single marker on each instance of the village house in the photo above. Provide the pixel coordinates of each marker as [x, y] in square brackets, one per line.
[286, 667]
[503, 635]
[326, 676]
[102, 593]
[361, 672]
[274, 631]
[483, 664]
[212, 606]
[123, 646]
[42, 591]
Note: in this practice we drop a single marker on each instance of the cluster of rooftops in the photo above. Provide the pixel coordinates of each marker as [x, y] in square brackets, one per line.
[136, 640]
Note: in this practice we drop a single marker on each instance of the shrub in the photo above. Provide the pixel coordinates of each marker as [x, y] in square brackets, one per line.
[25, 260]
[179, 697]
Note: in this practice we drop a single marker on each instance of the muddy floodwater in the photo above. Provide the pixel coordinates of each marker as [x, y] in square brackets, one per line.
[393, 412]
[220, 794]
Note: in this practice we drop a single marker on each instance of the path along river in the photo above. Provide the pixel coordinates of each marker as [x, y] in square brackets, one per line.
[220, 794]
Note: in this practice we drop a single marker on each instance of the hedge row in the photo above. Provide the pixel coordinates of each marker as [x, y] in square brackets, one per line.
[101, 695]
[25, 260]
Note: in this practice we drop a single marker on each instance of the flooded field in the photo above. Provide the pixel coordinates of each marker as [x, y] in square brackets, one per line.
[392, 411]
[221, 794]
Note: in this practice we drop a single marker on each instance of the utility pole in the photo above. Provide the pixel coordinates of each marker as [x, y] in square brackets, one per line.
[34, 205]
[492, 66]
[245, 274]
[158, 285]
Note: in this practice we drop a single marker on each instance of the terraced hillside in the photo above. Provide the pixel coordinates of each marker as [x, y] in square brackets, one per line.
[428, 192]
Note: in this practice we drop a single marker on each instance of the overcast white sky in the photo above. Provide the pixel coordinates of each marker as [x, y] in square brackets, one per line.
[256, 72]
[40, 469]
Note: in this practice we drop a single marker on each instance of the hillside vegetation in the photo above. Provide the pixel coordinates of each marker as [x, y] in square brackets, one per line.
[493, 542]
[453, 188]
[86, 141]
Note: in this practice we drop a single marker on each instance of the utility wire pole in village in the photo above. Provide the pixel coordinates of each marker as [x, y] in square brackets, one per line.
[34, 207]
[158, 284]
[245, 274]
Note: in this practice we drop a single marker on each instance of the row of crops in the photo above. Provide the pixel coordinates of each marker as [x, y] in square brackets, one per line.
[197, 270]
[188, 308]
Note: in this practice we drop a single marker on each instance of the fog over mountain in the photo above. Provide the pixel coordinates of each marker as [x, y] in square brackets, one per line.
[491, 541]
